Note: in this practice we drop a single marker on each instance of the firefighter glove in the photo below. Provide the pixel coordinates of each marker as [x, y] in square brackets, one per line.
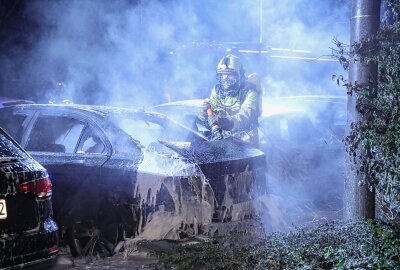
[203, 110]
[216, 133]
[225, 123]
[213, 120]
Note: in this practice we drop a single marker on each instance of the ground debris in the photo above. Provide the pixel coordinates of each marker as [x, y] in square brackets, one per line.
[364, 245]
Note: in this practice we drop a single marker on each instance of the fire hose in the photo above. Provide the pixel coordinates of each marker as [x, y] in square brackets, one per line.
[216, 131]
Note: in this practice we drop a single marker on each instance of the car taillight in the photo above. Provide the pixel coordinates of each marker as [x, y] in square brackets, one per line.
[41, 187]
[53, 249]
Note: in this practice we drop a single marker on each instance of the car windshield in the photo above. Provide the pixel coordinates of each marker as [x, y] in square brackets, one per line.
[9, 150]
[148, 128]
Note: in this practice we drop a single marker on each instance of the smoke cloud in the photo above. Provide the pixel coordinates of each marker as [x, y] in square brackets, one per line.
[141, 53]
[138, 53]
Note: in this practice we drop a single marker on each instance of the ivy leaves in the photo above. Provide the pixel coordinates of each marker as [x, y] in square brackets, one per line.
[378, 104]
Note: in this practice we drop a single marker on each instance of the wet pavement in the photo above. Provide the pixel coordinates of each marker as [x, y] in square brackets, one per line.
[121, 261]
[285, 212]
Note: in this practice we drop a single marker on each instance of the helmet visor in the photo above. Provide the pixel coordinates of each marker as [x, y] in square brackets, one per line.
[228, 81]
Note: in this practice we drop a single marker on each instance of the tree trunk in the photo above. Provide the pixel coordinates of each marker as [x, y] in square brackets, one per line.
[359, 199]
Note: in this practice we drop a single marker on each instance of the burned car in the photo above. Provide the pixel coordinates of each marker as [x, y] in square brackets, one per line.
[28, 233]
[301, 137]
[121, 173]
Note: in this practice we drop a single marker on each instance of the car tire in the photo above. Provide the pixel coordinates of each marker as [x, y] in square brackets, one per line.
[95, 239]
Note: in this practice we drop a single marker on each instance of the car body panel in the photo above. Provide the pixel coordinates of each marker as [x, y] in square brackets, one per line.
[301, 136]
[28, 235]
[143, 169]
[7, 101]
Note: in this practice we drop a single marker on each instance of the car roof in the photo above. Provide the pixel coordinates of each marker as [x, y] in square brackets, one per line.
[98, 110]
[6, 101]
[96, 113]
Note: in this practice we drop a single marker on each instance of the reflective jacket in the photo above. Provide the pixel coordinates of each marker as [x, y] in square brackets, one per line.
[243, 109]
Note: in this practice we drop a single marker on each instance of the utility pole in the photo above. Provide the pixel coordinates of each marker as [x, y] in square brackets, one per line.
[359, 199]
[261, 29]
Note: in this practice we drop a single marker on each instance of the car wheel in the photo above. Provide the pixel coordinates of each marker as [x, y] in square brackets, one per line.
[95, 239]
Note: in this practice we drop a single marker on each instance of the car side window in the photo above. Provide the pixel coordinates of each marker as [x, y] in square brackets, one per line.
[14, 125]
[55, 134]
[91, 143]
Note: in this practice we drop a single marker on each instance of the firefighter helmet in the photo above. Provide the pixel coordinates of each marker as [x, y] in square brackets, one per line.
[229, 75]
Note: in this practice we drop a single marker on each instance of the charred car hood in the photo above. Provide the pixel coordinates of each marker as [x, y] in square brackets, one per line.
[17, 172]
[197, 183]
[219, 156]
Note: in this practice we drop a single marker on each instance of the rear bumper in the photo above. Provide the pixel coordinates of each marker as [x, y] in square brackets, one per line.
[29, 248]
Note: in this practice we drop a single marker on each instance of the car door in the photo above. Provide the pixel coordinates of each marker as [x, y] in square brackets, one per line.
[53, 141]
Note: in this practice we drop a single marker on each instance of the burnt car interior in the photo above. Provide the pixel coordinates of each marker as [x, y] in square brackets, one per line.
[55, 134]
[152, 127]
[91, 143]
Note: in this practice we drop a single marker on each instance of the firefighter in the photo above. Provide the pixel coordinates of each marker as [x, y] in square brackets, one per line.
[234, 104]
[60, 95]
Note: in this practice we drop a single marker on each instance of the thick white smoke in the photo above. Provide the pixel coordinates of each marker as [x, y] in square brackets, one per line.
[308, 26]
[139, 53]
[132, 52]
